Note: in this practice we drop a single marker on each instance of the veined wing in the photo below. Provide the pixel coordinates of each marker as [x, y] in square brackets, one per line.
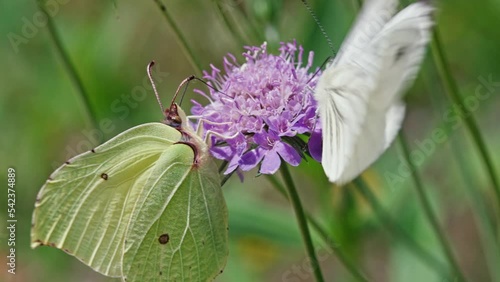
[185, 238]
[358, 97]
[85, 206]
[371, 19]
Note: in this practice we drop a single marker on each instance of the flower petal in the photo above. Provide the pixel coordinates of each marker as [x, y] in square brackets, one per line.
[270, 163]
[265, 99]
[315, 145]
[288, 153]
[222, 152]
[250, 159]
[232, 165]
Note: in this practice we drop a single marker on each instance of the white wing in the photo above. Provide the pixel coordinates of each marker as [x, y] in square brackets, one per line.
[359, 94]
[371, 19]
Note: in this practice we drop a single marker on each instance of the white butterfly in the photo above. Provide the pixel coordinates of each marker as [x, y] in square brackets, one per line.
[359, 93]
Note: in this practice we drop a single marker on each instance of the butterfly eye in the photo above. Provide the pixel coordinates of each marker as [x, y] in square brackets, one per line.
[174, 121]
[172, 117]
[177, 119]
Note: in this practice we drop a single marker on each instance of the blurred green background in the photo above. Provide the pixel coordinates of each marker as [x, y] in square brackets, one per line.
[44, 122]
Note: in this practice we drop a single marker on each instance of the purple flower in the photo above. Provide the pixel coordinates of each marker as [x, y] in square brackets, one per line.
[260, 107]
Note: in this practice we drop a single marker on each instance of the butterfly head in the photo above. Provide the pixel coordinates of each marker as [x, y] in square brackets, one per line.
[174, 116]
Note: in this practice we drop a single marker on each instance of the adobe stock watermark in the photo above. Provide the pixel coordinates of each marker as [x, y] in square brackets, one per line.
[31, 26]
[452, 119]
[121, 106]
[303, 270]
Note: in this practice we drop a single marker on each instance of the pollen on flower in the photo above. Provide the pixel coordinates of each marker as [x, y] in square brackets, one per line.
[260, 107]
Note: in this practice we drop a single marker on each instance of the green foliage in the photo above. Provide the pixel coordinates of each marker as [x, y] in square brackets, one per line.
[44, 123]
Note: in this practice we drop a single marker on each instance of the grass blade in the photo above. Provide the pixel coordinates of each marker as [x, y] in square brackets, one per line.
[451, 88]
[188, 51]
[90, 114]
[431, 217]
[350, 266]
[395, 230]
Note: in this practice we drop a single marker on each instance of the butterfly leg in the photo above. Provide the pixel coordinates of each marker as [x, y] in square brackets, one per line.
[211, 133]
[201, 121]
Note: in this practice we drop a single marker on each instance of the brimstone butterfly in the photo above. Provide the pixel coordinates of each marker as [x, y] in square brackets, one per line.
[146, 205]
[358, 94]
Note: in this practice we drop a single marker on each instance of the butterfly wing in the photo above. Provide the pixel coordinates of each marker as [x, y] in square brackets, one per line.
[88, 206]
[359, 103]
[371, 19]
[185, 238]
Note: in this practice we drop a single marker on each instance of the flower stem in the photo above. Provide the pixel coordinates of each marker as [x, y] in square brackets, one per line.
[395, 230]
[424, 200]
[351, 267]
[294, 198]
[470, 122]
[71, 70]
[193, 60]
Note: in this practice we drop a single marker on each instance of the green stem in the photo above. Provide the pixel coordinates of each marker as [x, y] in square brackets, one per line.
[358, 3]
[351, 267]
[470, 122]
[478, 205]
[487, 228]
[231, 26]
[294, 198]
[193, 60]
[396, 231]
[251, 27]
[71, 70]
[424, 200]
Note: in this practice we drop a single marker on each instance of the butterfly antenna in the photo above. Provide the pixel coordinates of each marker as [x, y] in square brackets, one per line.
[320, 68]
[192, 77]
[150, 65]
[186, 82]
[208, 85]
[313, 15]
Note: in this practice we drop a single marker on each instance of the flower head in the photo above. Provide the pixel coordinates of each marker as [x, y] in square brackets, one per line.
[260, 107]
